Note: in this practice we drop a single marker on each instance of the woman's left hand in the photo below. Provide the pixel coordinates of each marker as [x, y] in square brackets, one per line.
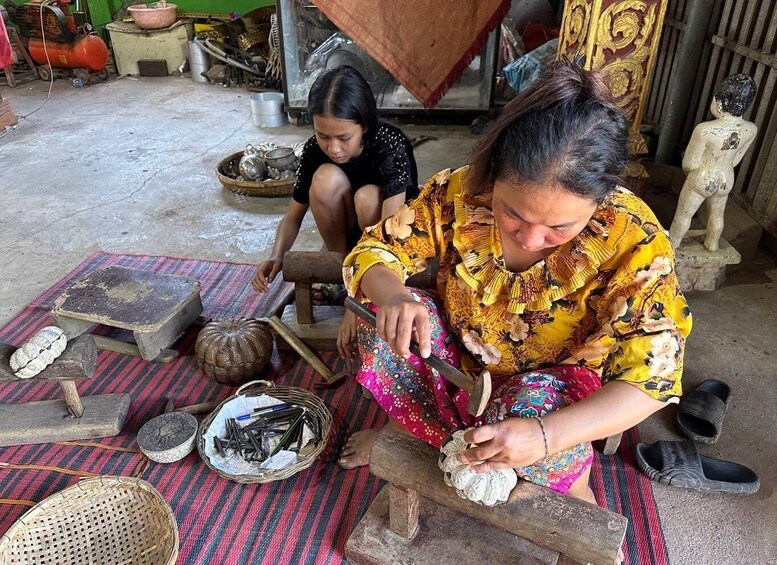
[513, 442]
[346, 338]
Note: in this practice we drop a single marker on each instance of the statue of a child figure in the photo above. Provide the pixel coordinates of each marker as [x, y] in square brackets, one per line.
[715, 148]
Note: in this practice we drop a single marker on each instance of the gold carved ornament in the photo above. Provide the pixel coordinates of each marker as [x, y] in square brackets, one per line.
[575, 27]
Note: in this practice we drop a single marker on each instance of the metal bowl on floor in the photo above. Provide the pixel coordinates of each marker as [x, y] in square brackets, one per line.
[282, 158]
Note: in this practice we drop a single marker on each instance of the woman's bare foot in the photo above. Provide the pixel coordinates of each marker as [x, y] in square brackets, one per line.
[356, 452]
[581, 490]
[588, 496]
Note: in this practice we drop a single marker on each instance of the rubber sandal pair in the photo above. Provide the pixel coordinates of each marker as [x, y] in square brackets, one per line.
[699, 417]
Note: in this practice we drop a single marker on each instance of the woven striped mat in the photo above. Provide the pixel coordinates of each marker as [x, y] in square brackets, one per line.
[304, 519]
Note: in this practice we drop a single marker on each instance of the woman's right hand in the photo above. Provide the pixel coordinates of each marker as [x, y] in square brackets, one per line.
[401, 319]
[265, 274]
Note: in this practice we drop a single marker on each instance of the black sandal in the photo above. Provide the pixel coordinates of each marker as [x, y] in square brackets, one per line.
[678, 464]
[700, 413]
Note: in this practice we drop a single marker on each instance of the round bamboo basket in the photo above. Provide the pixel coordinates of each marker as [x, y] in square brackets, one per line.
[296, 395]
[106, 519]
[227, 171]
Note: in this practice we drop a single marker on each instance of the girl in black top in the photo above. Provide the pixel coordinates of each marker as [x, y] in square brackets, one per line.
[354, 172]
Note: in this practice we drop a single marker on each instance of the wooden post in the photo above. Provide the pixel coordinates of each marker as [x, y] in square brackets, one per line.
[73, 401]
[403, 511]
[612, 443]
[304, 302]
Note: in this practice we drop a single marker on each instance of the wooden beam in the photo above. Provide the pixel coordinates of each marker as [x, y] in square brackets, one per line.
[313, 266]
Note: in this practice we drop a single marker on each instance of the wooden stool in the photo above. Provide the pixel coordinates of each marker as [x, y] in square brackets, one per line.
[418, 519]
[317, 326]
[156, 308]
[53, 420]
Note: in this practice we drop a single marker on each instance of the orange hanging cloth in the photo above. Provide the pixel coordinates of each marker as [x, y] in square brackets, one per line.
[424, 44]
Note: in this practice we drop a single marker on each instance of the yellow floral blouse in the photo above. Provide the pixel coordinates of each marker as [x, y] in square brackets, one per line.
[608, 299]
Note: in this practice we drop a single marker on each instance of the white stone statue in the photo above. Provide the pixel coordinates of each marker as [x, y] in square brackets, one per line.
[715, 148]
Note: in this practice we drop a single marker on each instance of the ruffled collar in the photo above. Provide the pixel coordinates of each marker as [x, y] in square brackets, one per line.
[477, 239]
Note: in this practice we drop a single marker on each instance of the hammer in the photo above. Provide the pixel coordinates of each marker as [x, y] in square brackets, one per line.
[479, 391]
[194, 409]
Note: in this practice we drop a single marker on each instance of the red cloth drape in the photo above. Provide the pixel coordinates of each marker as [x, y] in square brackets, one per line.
[424, 44]
[6, 54]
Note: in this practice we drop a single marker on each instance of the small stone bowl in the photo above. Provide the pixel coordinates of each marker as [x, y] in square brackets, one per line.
[168, 437]
[281, 158]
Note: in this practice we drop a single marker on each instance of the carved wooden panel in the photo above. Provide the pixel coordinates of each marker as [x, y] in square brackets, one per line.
[620, 38]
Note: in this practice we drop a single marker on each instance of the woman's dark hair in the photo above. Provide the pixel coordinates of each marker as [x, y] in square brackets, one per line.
[565, 129]
[343, 93]
[736, 93]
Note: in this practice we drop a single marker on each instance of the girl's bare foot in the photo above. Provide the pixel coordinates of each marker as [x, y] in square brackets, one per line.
[356, 452]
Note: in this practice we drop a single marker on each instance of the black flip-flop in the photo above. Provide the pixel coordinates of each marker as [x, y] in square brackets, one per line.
[678, 463]
[700, 413]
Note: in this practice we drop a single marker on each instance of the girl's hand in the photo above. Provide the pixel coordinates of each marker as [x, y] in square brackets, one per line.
[265, 274]
[401, 319]
[513, 442]
[346, 339]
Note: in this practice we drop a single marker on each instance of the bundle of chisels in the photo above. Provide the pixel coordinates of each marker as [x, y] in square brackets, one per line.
[267, 431]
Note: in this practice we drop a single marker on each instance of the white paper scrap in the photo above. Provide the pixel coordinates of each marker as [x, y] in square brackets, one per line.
[280, 460]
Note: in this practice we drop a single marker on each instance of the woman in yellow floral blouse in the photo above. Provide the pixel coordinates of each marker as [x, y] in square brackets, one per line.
[551, 277]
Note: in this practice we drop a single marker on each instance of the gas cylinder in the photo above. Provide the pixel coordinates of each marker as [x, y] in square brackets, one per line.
[85, 52]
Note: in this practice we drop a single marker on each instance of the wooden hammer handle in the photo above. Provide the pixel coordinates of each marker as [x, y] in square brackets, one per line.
[299, 346]
[448, 371]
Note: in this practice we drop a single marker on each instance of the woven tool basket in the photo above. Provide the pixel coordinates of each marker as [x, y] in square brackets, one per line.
[106, 519]
[299, 396]
[227, 171]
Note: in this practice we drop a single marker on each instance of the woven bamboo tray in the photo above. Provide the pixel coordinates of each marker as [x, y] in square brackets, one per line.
[106, 519]
[227, 171]
[296, 395]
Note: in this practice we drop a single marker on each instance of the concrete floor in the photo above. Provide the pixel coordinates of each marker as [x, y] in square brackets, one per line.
[128, 166]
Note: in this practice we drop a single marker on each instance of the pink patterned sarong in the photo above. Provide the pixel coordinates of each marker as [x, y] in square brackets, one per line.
[431, 408]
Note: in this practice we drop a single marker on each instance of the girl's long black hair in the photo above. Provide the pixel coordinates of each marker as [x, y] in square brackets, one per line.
[343, 93]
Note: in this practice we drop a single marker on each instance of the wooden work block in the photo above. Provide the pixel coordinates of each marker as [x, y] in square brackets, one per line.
[443, 536]
[578, 529]
[76, 362]
[156, 308]
[320, 336]
[48, 421]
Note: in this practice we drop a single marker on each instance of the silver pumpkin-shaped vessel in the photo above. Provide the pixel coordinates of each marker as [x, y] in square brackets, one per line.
[488, 489]
[38, 353]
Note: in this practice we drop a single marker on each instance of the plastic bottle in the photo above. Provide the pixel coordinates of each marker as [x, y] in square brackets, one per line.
[76, 82]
